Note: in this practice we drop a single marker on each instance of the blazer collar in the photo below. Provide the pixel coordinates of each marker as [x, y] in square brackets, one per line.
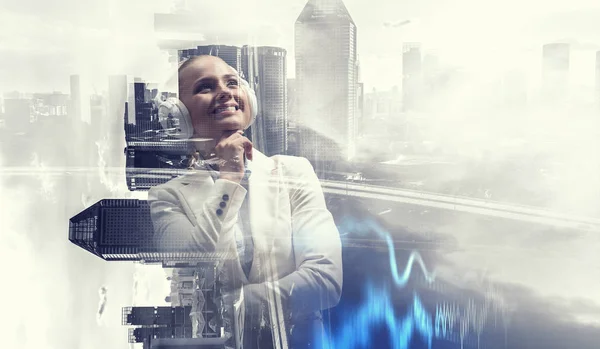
[260, 166]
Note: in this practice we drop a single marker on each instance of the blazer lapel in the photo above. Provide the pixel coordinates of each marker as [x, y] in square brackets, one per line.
[192, 187]
[263, 191]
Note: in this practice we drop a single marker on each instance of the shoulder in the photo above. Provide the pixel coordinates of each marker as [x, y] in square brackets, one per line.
[173, 185]
[294, 165]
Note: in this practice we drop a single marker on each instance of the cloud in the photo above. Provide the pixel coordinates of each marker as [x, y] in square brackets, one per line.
[397, 24]
[101, 304]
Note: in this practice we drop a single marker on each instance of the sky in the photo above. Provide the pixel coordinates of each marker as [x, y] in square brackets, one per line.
[54, 285]
[42, 44]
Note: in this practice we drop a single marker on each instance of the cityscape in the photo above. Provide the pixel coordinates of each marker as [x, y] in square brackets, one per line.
[420, 181]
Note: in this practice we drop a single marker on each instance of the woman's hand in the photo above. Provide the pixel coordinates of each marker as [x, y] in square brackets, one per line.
[230, 150]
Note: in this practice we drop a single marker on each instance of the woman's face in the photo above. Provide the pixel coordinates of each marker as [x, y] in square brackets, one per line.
[211, 91]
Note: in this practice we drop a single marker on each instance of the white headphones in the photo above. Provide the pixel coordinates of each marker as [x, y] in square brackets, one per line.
[174, 108]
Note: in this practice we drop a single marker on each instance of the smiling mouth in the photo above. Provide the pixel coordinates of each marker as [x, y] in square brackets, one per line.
[231, 108]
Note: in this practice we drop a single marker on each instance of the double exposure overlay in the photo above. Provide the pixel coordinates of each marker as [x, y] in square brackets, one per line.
[323, 174]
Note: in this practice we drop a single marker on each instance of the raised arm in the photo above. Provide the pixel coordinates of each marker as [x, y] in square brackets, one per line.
[194, 217]
[317, 282]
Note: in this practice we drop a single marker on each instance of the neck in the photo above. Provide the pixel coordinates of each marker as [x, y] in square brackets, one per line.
[205, 146]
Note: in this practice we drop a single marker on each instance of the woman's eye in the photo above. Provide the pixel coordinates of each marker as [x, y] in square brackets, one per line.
[202, 88]
[232, 82]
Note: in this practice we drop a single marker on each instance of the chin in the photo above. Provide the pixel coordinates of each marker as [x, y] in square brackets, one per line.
[230, 125]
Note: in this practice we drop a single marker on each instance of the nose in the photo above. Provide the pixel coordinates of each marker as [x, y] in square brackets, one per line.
[224, 93]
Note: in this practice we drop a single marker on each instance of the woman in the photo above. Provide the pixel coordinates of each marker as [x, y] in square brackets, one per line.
[290, 244]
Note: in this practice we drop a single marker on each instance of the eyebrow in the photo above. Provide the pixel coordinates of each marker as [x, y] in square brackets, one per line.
[226, 76]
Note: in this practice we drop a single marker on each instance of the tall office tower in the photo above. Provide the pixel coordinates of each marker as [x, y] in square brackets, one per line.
[555, 73]
[411, 75]
[145, 111]
[157, 322]
[360, 108]
[292, 102]
[271, 91]
[325, 50]
[360, 95]
[121, 230]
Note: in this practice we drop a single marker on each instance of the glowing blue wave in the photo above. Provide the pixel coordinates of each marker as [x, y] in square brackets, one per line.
[349, 224]
[378, 310]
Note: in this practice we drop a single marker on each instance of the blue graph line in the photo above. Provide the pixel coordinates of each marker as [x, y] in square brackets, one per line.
[378, 310]
[349, 224]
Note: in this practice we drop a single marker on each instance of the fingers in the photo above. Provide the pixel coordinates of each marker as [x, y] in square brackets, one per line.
[231, 148]
[248, 148]
[237, 141]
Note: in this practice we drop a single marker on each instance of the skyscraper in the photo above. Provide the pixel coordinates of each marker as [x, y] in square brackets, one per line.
[146, 112]
[325, 49]
[121, 230]
[555, 73]
[411, 75]
[271, 92]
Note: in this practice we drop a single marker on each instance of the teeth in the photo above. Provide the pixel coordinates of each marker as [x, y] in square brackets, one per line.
[231, 108]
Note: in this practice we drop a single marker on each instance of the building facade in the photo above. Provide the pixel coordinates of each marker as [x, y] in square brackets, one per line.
[326, 82]
[271, 90]
[121, 230]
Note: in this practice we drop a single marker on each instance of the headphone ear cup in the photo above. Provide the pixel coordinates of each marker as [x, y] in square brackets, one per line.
[175, 118]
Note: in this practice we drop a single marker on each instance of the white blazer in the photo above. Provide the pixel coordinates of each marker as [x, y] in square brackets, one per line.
[297, 248]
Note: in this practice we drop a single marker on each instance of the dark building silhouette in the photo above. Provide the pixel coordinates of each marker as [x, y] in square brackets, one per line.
[325, 49]
[146, 110]
[171, 325]
[555, 71]
[157, 316]
[121, 230]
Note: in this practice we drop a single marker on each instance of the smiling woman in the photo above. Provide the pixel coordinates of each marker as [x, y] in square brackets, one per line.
[275, 221]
